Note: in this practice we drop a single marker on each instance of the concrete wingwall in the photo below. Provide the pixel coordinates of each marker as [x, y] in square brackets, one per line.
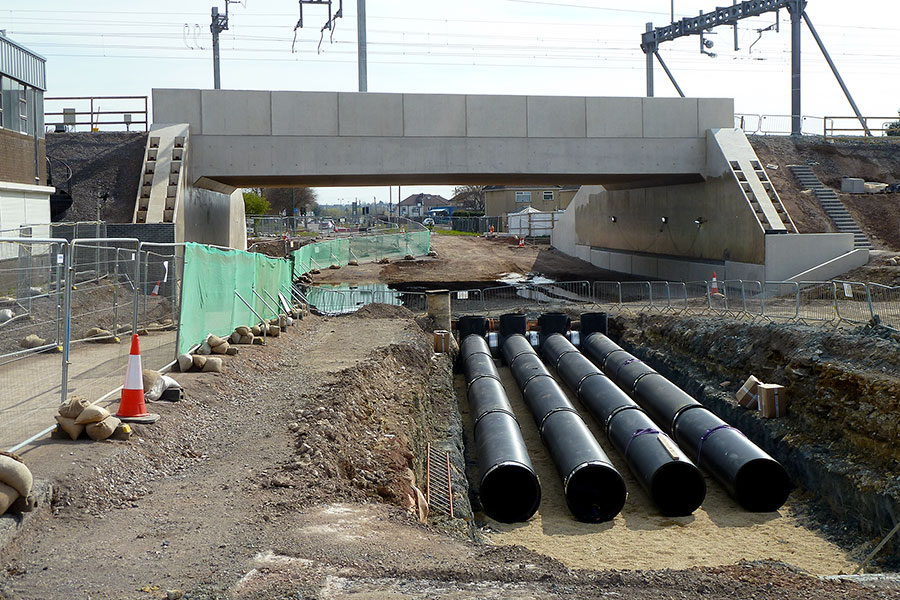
[687, 232]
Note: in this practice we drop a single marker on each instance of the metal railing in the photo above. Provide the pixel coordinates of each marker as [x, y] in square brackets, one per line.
[878, 127]
[824, 302]
[110, 112]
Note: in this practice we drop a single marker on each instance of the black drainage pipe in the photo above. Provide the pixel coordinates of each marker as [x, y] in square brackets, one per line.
[510, 490]
[594, 490]
[673, 482]
[553, 322]
[468, 325]
[756, 480]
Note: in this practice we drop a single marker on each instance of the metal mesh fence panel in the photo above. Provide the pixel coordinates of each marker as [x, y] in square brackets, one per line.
[102, 303]
[607, 293]
[636, 295]
[335, 301]
[31, 336]
[851, 301]
[753, 295]
[466, 302]
[677, 296]
[816, 301]
[886, 304]
[697, 293]
[781, 300]
[159, 311]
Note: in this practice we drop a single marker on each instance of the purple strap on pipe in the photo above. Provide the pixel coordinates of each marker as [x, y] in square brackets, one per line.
[708, 433]
[625, 364]
[638, 434]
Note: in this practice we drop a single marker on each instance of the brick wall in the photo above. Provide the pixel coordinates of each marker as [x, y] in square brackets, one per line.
[17, 158]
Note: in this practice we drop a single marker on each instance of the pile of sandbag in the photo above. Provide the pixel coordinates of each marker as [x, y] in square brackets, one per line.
[200, 362]
[242, 335]
[77, 416]
[15, 484]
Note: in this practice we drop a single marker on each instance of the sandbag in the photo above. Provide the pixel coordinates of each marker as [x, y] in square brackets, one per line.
[204, 349]
[23, 504]
[256, 330]
[70, 426]
[214, 340]
[92, 414]
[153, 394]
[32, 341]
[185, 362]
[246, 339]
[235, 338]
[15, 474]
[73, 407]
[102, 430]
[8, 495]
[232, 352]
[150, 378]
[242, 330]
[171, 383]
[221, 348]
[213, 365]
[274, 330]
[199, 361]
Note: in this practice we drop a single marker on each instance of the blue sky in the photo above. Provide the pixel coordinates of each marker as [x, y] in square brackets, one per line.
[551, 47]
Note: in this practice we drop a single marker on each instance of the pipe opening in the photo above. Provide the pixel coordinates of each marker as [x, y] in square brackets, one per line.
[510, 493]
[677, 489]
[595, 493]
[762, 485]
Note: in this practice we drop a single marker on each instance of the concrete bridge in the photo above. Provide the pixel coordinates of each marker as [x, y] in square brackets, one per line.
[261, 138]
[663, 177]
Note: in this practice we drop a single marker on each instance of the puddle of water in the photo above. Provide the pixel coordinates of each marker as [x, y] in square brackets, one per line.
[342, 299]
[513, 278]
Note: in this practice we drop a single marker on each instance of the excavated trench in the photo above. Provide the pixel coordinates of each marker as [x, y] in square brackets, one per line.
[839, 440]
[838, 444]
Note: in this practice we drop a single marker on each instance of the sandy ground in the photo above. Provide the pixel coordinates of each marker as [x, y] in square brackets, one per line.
[468, 259]
[719, 533]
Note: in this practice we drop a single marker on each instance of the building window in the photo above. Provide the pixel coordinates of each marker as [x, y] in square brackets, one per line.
[523, 197]
[548, 196]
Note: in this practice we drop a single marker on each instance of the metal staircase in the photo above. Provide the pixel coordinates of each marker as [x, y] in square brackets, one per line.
[832, 204]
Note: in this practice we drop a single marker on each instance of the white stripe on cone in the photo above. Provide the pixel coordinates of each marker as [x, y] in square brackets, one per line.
[134, 374]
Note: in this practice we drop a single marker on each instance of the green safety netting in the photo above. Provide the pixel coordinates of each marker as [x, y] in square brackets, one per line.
[211, 276]
[322, 255]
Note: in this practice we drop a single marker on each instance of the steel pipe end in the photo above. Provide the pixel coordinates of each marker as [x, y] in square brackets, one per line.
[510, 492]
[595, 492]
[762, 485]
[677, 489]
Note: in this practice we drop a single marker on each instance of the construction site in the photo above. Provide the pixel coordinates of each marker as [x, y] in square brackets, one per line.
[682, 383]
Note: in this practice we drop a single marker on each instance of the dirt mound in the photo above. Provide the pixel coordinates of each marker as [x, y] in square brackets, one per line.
[383, 311]
[876, 215]
[353, 440]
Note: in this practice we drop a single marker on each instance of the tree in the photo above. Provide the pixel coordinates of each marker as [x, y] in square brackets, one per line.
[254, 203]
[284, 199]
[471, 196]
[893, 129]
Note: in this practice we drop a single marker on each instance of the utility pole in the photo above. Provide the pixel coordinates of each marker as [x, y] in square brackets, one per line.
[796, 8]
[218, 25]
[361, 45]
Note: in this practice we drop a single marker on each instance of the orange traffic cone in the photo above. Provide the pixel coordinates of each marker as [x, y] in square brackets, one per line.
[714, 287]
[131, 407]
[155, 291]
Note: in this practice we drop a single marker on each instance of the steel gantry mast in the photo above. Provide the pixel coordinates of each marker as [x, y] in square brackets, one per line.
[730, 16]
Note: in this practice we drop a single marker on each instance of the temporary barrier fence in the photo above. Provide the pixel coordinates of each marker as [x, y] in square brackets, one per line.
[339, 252]
[211, 277]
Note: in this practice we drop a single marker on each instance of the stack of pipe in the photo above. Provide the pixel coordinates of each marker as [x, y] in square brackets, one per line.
[594, 490]
[673, 482]
[752, 477]
[510, 491]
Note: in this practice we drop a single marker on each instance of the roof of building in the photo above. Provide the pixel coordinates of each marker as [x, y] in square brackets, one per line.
[22, 64]
[427, 200]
